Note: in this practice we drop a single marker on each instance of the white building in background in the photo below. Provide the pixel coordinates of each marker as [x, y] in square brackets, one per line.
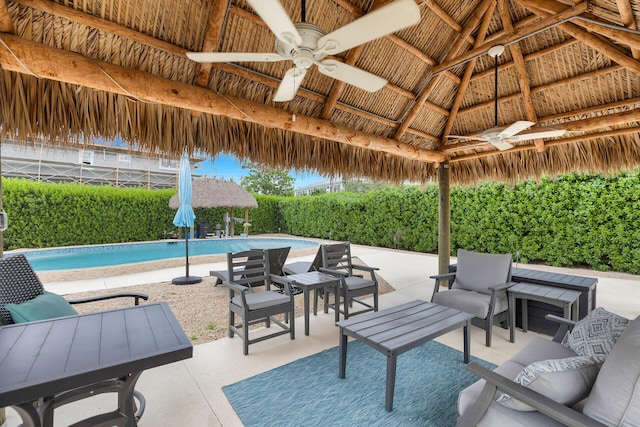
[91, 164]
[327, 187]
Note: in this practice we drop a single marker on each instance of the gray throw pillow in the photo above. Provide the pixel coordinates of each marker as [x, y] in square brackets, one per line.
[566, 381]
[597, 333]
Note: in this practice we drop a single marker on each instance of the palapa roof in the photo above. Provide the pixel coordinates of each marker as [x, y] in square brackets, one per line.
[85, 69]
[216, 193]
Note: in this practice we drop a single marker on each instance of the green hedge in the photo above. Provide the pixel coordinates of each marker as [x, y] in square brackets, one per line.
[575, 220]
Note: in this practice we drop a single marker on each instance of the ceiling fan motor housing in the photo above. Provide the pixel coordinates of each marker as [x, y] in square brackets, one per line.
[303, 55]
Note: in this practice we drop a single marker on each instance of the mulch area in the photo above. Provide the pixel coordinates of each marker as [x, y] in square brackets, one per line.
[201, 309]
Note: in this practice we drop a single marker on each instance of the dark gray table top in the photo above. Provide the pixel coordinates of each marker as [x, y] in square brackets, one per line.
[401, 328]
[43, 358]
[547, 292]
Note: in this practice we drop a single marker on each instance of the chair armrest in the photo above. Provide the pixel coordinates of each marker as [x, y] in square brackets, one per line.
[334, 272]
[549, 407]
[564, 327]
[283, 280]
[501, 287]
[136, 296]
[236, 287]
[364, 268]
[440, 278]
[288, 285]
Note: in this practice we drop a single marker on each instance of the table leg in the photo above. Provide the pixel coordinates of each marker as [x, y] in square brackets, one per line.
[343, 355]
[335, 303]
[391, 381]
[525, 315]
[512, 317]
[576, 310]
[467, 340]
[306, 310]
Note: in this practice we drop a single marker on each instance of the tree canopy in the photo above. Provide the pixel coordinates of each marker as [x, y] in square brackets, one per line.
[268, 181]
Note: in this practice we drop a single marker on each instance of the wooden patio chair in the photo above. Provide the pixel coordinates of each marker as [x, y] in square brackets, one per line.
[336, 260]
[245, 269]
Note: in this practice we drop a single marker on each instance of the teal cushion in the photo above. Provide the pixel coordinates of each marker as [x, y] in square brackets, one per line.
[44, 306]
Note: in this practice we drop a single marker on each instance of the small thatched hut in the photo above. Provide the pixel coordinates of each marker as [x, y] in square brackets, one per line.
[218, 193]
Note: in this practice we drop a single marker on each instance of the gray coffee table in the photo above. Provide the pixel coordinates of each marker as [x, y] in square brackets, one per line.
[399, 329]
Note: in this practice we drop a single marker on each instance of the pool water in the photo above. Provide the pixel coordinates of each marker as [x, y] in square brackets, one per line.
[116, 254]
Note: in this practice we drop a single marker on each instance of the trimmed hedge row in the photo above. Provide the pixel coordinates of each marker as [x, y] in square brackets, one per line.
[575, 220]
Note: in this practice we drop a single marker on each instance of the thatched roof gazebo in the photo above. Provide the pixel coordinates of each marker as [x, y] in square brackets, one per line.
[218, 193]
[86, 69]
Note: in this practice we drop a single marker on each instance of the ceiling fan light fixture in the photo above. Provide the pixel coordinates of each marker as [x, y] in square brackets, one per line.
[496, 50]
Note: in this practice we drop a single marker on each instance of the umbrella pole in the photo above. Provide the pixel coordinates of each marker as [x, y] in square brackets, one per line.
[186, 249]
[186, 280]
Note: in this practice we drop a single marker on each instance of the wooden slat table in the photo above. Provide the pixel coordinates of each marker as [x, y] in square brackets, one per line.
[399, 329]
[48, 363]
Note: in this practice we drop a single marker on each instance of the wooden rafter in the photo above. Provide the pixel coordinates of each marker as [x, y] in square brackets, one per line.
[433, 80]
[466, 78]
[27, 57]
[628, 20]
[523, 78]
[600, 45]
[552, 6]
[445, 17]
[506, 39]
[6, 24]
[211, 39]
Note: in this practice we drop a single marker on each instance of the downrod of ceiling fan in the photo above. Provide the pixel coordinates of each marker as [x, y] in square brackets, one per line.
[496, 51]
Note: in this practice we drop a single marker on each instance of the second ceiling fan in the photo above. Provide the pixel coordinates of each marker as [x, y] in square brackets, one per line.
[307, 45]
[501, 137]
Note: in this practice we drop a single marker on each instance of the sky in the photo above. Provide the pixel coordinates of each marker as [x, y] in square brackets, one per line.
[227, 167]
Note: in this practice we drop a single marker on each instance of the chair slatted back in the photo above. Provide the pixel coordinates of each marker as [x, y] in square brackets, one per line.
[337, 257]
[249, 268]
[18, 283]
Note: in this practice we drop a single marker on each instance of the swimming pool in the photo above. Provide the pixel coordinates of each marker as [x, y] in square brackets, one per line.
[116, 254]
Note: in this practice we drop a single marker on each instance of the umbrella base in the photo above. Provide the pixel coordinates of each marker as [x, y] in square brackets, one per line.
[186, 280]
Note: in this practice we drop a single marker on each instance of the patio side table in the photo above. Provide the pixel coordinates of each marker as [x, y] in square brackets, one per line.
[567, 299]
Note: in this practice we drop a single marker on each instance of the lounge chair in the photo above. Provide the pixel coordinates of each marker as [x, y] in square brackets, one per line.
[304, 266]
[336, 260]
[22, 296]
[479, 286]
[245, 269]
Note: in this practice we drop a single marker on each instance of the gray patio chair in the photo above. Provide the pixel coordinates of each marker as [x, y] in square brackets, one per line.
[479, 286]
[336, 260]
[19, 284]
[245, 269]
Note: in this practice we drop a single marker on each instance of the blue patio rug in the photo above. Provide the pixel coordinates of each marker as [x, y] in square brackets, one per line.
[308, 392]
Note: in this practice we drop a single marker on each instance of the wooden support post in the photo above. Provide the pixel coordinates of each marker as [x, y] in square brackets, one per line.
[444, 218]
[231, 221]
[246, 221]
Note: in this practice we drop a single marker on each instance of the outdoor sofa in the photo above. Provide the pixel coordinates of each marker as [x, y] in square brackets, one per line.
[587, 377]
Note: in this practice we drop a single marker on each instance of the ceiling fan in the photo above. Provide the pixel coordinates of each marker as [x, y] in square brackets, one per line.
[306, 45]
[501, 137]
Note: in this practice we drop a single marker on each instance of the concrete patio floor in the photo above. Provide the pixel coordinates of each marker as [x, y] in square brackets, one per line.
[190, 392]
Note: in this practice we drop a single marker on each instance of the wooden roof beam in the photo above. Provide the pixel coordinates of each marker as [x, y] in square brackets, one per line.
[466, 78]
[211, 40]
[523, 77]
[553, 7]
[445, 17]
[433, 80]
[523, 32]
[628, 20]
[598, 44]
[47, 62]
[6, 24]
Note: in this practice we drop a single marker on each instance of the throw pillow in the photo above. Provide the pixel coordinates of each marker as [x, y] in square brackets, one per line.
[45, 306]
[596, 334]
[566, 381]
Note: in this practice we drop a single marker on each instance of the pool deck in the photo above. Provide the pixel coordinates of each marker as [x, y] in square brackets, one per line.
[190, 392]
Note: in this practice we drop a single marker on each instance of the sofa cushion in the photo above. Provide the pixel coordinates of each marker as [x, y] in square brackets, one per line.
[596, 334]
[45, 306]
[477, 271]
[541, 349]
[615, 396]
[566, 381]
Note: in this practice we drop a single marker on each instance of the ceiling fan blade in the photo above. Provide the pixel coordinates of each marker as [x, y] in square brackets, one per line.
[385, 20]
[468, 138]
[538, 133]
[351, 75]
[234, 57]
[276, 18]
[290, 84]
[500, 144]
[515, 128]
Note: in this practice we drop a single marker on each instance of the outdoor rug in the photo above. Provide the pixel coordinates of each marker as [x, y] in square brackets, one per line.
[308, 392]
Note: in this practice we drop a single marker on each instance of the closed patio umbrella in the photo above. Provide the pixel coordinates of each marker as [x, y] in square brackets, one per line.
[185, 217]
